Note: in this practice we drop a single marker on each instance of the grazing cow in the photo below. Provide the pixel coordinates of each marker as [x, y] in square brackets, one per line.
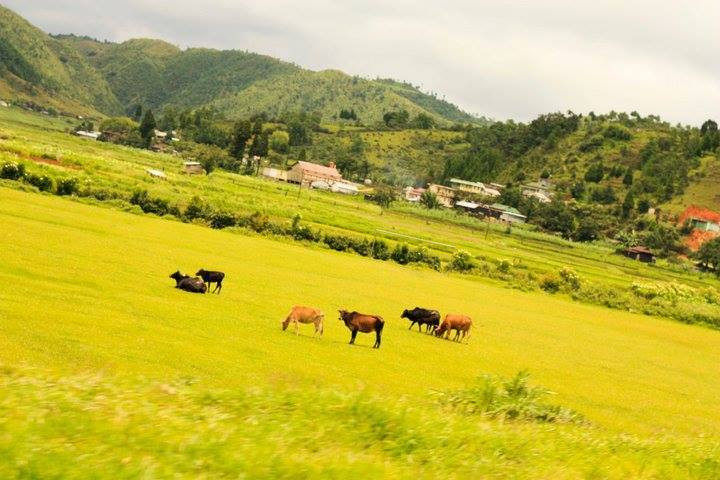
[359, 322]
[460, 323]
[300, 314]
[211, 277]
[189, 284]
[422, 316]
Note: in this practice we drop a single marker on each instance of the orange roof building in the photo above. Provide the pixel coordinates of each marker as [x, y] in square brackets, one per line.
[306, 172]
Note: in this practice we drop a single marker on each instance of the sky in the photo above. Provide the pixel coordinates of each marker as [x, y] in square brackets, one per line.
[500, 59]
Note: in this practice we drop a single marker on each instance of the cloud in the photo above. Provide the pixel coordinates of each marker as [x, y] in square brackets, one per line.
[504, 59]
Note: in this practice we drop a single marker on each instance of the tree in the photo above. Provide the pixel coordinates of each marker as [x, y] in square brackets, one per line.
[628, 204]
[137, 112]
[259, 145]
[664, 239]
[147, 126]
[429, 200]
[242, 132]
[595, 173]
[383, 196]
[279, 141]
[628, 178]
[423, 121]
[299, 133]
[709, 255]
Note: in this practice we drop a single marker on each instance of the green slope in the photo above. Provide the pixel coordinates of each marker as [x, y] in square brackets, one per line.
[34, 65]
[156, 74]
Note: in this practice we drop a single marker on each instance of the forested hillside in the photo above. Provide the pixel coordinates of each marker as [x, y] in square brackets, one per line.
[156, 74]
[35, 67]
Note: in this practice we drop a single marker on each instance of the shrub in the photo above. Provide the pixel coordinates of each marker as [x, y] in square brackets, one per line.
[148, 204]
[337, 242]
[258, 222]
[42, 182]
[223, 220]
[423, 255]
[379, 250]
[617, 132]
[12, 171]
[550, 283]
[197, 209]
[507, 399]
[67, 186]
[401, 254]
[461, 262]
[361, 246]
[504, 266]
[570, 278]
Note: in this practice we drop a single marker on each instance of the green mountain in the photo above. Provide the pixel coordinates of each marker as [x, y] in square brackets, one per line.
[157, 74]
[37, 67]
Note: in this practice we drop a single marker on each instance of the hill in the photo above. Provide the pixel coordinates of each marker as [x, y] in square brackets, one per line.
[36, 67]
[156, 74]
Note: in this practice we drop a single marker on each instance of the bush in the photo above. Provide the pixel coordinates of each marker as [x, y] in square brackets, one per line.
[67, 186]
[617, 132]
[550, 283]
[42, 182]
[361, 246]
[461, 262]
[197, 209]
[401, 254]
[423, 255]
[12, 171]
[570, 278]
[337, 242]
[507, 399]
[257, 222]
[223, 220]
[148, 204]
[379, 250]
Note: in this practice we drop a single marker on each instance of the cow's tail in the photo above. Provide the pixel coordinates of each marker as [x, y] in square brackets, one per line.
[321, 320]
[380, 325]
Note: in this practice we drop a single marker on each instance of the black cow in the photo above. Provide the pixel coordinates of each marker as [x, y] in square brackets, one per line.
[422, 316]
[212, 277]
[189, 284]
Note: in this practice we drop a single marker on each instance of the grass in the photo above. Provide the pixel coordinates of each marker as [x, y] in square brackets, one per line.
[111, 372]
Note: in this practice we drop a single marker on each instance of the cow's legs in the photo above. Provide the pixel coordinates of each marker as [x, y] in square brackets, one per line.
[352, 336]
[411, 325]
[378, 338]
[297, 326]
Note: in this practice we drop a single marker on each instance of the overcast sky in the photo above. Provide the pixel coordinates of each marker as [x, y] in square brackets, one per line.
[503, 59]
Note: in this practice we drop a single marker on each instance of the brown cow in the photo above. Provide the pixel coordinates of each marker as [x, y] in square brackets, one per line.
[359, 322]
[300, 315]
[460, 323]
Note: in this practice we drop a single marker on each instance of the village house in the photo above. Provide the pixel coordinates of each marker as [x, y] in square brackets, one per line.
[413, 194]
[641, 254]
[156, 173]
[305, 173]
[477, 188]
[192, 168]
[445, 195]
[502, 212]
[464, 205]
[274, 174]
[540, 190]
[84, 134]
[345, 188]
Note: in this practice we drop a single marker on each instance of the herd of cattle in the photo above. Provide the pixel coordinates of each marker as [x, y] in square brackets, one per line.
[354, 321]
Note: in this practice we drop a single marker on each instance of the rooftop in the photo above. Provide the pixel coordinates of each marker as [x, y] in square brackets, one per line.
[318, 169]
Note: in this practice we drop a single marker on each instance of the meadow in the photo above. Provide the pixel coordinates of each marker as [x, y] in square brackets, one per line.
[108, 371]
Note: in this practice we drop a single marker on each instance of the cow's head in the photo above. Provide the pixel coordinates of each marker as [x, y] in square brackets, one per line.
[404, 314]
[200, 272]
[343, 315]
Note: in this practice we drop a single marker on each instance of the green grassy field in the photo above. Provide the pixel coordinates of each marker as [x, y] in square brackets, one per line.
[111, 372]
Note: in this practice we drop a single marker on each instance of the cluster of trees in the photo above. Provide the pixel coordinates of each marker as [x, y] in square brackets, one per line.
[401, 119]
[497, 145]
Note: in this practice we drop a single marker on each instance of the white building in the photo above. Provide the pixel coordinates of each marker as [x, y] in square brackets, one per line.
[346, 188]
[477, 188]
